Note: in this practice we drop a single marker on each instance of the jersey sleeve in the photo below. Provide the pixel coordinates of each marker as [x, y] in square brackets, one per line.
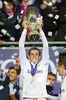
[23, 59]
[45, 50]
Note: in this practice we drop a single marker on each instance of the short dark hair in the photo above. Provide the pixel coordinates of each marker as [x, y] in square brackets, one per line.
[17, 68]
[34, 48]
[62, 61]
[51, 73]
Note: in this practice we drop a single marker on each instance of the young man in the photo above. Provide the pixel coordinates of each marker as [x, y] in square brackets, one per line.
[34, 71]
[51, 78]
[62, 72]
[6, 89]
[13, 74]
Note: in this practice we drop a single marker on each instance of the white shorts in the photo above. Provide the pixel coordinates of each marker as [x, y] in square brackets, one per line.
[34, 99]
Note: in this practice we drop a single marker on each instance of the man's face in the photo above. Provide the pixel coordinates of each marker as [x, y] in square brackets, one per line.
[12, 75]
[60, 69]
[51, 79]
[9, 7]
[34, 56]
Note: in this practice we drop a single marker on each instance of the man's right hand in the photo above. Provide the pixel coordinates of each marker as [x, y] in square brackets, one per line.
[25, 24]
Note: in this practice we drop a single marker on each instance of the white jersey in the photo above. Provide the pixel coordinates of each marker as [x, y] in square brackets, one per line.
[36, 88]
[63, 90]
[11, 89]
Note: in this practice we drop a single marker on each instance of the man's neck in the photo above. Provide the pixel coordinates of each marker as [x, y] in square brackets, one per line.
[13, 82]
[34, 63]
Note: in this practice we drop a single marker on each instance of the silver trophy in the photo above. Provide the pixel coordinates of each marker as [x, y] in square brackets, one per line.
[33, 16]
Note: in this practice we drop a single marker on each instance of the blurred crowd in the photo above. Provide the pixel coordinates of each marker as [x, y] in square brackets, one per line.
[12, 13]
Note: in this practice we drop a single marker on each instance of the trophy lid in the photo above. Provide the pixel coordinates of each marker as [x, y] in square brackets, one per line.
[32, 11]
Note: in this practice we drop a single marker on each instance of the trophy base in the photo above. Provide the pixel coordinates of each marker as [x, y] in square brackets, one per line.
[34, 36]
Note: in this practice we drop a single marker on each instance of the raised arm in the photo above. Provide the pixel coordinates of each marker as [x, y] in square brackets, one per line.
[45, 50]
[22, 55]
[22, 52]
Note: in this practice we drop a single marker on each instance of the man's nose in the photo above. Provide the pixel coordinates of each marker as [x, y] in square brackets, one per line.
[34, 55]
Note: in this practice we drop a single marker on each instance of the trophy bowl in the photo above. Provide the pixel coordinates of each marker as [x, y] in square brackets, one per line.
[32, 14]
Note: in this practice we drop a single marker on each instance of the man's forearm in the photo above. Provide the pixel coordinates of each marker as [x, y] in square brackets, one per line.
[22, 38]
[43, 37]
